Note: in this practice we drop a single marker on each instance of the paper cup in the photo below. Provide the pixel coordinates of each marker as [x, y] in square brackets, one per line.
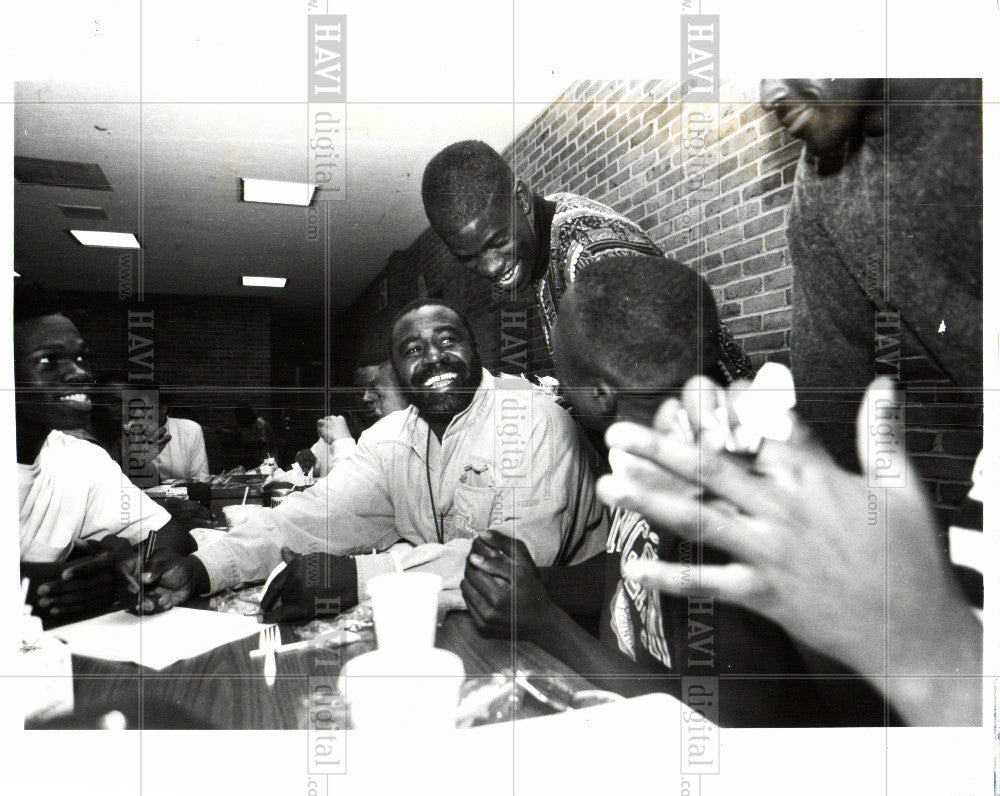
[404, 605]
[393, 690]
[238, 514]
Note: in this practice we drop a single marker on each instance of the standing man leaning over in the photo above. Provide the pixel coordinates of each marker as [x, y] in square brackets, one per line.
[495, 226]
[473, 453]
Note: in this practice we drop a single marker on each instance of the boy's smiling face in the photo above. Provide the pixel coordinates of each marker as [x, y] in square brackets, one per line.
[51, 377]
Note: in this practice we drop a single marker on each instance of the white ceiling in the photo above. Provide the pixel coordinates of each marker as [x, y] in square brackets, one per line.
[175, 171]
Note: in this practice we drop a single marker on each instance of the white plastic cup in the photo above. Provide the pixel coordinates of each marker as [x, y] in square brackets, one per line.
[238, 514]
[391, 690]
[404, 606]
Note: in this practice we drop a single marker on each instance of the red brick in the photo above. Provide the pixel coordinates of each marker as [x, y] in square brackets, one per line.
[763, 342]
[943, 468]
[777, 198]
[761, 186]
[742, 212]
[724, 239]
[768, 301]
[740, 177]
[764, 224]
[951, 495]
[737, 142]
[782, 319]
[763, 264]
[723, 276]
[742, 289]
[730, 310]
[967, 443]
[788, 153]
[775, 240]
[722, 203]
[780, 278]
[922, 441]
[644, 166]
[742, 250]
[742, 325]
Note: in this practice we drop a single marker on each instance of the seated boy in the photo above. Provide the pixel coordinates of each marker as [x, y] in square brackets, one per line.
[631, 331]
[72, 498]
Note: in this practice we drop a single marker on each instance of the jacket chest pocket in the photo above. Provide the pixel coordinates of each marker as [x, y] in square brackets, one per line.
[476, 498]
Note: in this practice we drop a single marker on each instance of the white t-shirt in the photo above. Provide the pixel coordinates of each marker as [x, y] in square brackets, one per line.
[184, 456]
[73, 492]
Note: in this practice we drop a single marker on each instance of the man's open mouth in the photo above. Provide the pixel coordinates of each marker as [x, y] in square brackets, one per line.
[441, 381]
[79, 401]
[510, 277]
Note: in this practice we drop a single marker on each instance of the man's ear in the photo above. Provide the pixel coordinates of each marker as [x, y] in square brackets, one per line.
[523, 198]
[606, 398]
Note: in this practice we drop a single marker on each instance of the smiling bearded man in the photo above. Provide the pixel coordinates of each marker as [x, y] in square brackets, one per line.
[473, 453]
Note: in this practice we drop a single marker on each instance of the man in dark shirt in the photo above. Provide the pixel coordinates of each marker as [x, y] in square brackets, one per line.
[885, 233]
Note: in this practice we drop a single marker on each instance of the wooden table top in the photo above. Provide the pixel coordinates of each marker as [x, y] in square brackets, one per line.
[225, 688]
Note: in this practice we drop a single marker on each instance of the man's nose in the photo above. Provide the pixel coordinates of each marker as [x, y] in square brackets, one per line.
[75, 372]
[432, 353]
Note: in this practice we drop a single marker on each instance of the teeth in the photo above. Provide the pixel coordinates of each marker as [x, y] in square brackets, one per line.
[77, 396]
[440, 378]
[508, 277]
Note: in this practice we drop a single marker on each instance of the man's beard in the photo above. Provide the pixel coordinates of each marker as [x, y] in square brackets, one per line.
[447, 404]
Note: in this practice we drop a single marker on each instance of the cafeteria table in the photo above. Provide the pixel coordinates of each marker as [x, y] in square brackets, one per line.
[225, 688]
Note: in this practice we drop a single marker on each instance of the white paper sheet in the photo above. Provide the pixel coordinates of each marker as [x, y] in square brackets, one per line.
[155, 641]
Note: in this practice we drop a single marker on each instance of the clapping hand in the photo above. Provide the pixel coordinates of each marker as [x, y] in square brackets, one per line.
[849, 564]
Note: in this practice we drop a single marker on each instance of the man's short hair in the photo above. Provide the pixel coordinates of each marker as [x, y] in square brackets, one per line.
[646, 320]
[416, 304]
[460, 181]
[31, 300]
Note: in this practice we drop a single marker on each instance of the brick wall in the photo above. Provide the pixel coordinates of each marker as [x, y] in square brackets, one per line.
[712, 192]
[197, 343]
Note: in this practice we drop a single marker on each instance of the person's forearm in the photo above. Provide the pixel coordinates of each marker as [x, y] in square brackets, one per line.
[577, 589]
[935, 679]
[607, 668]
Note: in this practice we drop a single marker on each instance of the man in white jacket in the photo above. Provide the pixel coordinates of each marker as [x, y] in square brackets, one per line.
[473, 453]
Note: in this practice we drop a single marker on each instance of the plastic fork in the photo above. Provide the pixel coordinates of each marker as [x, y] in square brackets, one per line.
[267, 641]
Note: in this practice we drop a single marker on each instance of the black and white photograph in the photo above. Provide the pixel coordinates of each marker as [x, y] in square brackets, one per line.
[513, 399]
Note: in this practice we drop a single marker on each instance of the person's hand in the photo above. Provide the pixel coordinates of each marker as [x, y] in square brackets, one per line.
[502, 587]
[332, 427]
[306, 460]
[849, 564]
[165, 580]
[155, 437]
[87, 583]
[311, 585]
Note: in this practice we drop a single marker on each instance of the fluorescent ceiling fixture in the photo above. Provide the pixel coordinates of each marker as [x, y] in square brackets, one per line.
[112, 240]
[278, 193]
[264, 281]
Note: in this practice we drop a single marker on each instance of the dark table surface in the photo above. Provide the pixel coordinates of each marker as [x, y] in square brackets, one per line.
[225, 688]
